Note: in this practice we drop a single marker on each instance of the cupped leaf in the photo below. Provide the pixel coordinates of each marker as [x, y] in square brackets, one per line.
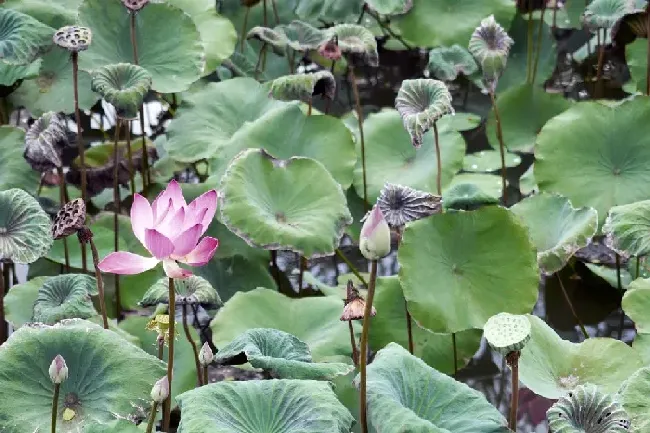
[328, 10]
[14, 170]
[459, 269]
[355, 39]
[45, 141]
[192, 290]
[405, 394]
[489, 160]
[627, 229]
[636, 304]
[391, 157]
[390, 7]
[19, 302]
[261, 204]
[303, 87]
[326, 335]
[603, 14]
[551, 366]
[124, 86]
[470, 191]
[280, 353]
[23, 38]
[446, 63]
[490, 46]
[297, 35]
[634, 397]
[557, 229]
[174, 63]
[107, 378]
[65, 297]
[421, 103]
[596, 155]
[260, 406]
[25, 229]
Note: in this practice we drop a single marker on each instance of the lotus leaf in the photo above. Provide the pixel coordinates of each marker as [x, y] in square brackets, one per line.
[390, 7]
[445, 63]
[108, 377]
[424, 400]
[468, 190]
[12, 76]
[465, 276]
[627, 229]
[461, 121]
[23, 37]
[118, 426]
[124, 86]
[302, 87]
[301, 36]
[636, 304]
[490, 46]
[54, 14]
[636, 55]
[596, 155]
[634, 397]
[603, 14]
[257, 203]
[19, 302]
[192, 290]
[259, 406]
[489, 160]
[14, 170]
[65, 297]
[355, 39]
[527, 182]
[551, 366]
[557, 229]
[45, 142]
[328, 10]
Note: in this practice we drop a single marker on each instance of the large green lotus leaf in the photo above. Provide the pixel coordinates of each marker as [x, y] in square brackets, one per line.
[19, 302]
[262, 202]
[469, 191]
[52, 89]
[328, 10]
[596, 155]
[603, 14]
[14, 170]
[634, 396]
[446, 63]
[65, 297]
[108, 377]
[11, 74]
[314, 320]
[23, 38]
[54, 14]
[527, 182]
[192, 290]
[231, 245]
[391, 158]
[636, 55]
[636, 304]
[173, 62]
[25, 229]
[261, 406]
[405, 394]
[298, 35]
[279, 352]
[459, 269]
[489, 160]
[205, 126]
[123, 85]
[524, 110]
[389, 325]
[455, 20]
[551, 366]
[628, 229]
[118, 426]
[184, 377]
[557, 229]
[287, 132]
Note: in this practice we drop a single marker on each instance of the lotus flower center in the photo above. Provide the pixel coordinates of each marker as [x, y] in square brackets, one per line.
[71, 400]
[3, 230]
[280, 217]
[617, 171]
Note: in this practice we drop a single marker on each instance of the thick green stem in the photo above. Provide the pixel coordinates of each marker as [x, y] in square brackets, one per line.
[186, 328]
[55, 405]
[152, 417]
[502, 147]
[100, 281]
[170, 361]
[513, 361]
[80, 145]
[573, 311]
[242, 36]
[357, 101]
[117, 209]
[363, 358]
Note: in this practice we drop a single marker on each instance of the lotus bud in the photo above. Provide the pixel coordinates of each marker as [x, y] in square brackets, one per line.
[490, 46]
[58, 370]
[160, 390]
[135, 5]
[355, 305]
[205, 355]
[374, 241]
[330, 50]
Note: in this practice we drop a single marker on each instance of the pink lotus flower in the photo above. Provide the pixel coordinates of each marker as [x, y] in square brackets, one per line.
[170, 230]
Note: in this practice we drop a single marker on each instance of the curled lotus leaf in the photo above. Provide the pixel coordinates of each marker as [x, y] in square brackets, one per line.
[25, 228]
[73, 38]
[124, 86]
[303, 87]
[45, 141]
[630, 27]
[627, 229]
[588, 409]
[135, 5]
[273, 37]
[466, 196]
[390, 7]
[421, 103]
[353, 38]
[446, 63]
[490, 46]
[279, 352]
[603, 14]
[297, 35]
[634, 396]
[402, 204]
[23, 38]
[192, 290]
[65, 297]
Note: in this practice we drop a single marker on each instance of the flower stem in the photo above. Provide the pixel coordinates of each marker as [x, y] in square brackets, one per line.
[3, 326]
[170, 361]
[538, 50]
[116, 210]
[353, 343]
[161, 347]
[98, 276]
[573, 311]
[127, 125]
[186, 328]
[80, 145]
[620, 288]
[152, 416]
[529, 48]
[438, 160]
[647, 73]
[501, 147]
[513, 361]
[409, 327]
[62, 195]
[357, 102]
[259, 60]
[275, 12]
[205, 375]
[55, 405]
[455, 350]
[242, 36]
[353, 269]
[145, 156]
[363, 361]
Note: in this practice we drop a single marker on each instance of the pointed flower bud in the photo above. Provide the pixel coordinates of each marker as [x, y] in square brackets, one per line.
[355, 305]
[58, 370]
[374, 241]
[205, 355]
[160, 390]
[490, 46]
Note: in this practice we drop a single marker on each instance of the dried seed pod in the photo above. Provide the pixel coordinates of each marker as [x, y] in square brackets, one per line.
[355, 305]
[70, 219]
[402, 204]
[73, 38]
[587, 409]
[135, 5]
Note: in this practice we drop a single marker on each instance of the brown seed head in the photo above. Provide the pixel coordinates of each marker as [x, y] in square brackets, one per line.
[70, 219]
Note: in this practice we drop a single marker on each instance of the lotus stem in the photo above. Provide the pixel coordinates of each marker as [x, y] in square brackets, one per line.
[647, 73]
[455, 350]
[513, 361]
[152, 417]
[573, 311]
[127, 124]
[310, 108]
[538, 50]
[206, 380]
[302, 266]
[80, 145]
[599, 68]
[259, 59]
[3, 325]
[438, 160]
[4, 116]
[170, 361]
[638, 261]
[363, 359]
[275, 12]
[145, 156]
[62, 195]
[353, 269]
[502, 147]
[55, 405]
[117, 210]
[529, 48]
[186, 328]
[85, 235]
[620, 287]
[355, 89]
[161, 346]
[409, 328]
[243, 31]
[353, 343]
[265, 19]
[555, 16]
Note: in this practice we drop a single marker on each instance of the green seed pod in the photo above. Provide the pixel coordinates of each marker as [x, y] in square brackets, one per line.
[507, 333]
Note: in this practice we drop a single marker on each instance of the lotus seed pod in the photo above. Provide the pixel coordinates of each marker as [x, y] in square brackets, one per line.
[73, 38]
[58, 370]
[507, 333]
[490, 46]
[402, 204]
[374, 241]
[135, 5]
[205, 355]
[355, 305]
[160, 390]
[69, 219]
[588, 410]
